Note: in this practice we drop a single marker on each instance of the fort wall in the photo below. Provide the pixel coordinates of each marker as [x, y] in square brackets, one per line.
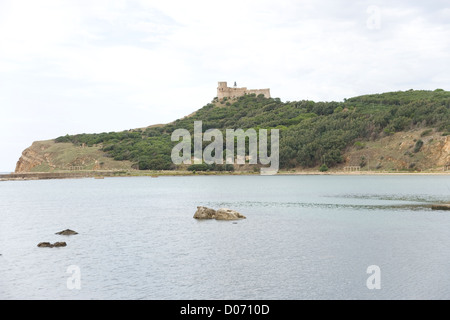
[223, 91]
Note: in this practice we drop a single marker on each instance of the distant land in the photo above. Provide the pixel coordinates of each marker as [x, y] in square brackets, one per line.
[404, 131]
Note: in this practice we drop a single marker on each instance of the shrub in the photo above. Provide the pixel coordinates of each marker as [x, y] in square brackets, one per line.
[418, 146]
[426, 132]
[338, 109]
[362, 162]
[323, 168]
[229, 167]
[199, 167]
[359, 145]
[388, 131]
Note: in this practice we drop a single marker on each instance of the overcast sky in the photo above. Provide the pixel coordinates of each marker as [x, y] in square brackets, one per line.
[94, 66]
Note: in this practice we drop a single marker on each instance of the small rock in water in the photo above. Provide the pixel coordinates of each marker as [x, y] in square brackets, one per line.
[221, 214]
[205, 213]
[50, 245]
[67, 232]
[45, 245]
[440, 207]
[59, 244]
[228, 214]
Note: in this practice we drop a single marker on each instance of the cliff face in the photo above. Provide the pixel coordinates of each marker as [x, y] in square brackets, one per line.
[443, 153]
[48, 156]
[397, 152]
[32, 157]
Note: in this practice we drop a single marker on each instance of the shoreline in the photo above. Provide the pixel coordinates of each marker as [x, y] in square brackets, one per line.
[25, 176]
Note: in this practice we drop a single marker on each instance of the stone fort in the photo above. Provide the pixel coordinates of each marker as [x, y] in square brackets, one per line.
[223, 91]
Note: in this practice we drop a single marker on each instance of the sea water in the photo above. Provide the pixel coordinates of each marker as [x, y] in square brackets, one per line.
[305, 237]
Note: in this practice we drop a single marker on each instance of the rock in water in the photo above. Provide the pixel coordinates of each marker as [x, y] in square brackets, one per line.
[50, 245]
[45, 245]
[221, 214]
[440, 207]
[205, 213]
[59, 244]
[67, 232]
[228, 214]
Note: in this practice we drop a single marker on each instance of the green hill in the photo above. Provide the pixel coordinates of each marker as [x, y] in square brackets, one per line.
[311, 133]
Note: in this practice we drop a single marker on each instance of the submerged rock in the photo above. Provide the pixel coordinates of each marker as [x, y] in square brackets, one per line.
[50, 245]
[440, 207]
[67, 232]
[221, 214]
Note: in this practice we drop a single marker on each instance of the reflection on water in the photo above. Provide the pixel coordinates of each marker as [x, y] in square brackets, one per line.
[414, 198]
[391, 207]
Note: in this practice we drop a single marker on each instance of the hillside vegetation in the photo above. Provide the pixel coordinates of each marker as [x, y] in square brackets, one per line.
[311, 133]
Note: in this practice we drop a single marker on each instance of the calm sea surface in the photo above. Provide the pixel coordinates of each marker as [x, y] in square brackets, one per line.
[305, 237]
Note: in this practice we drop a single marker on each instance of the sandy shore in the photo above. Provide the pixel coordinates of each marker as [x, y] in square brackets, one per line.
[135, 173]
